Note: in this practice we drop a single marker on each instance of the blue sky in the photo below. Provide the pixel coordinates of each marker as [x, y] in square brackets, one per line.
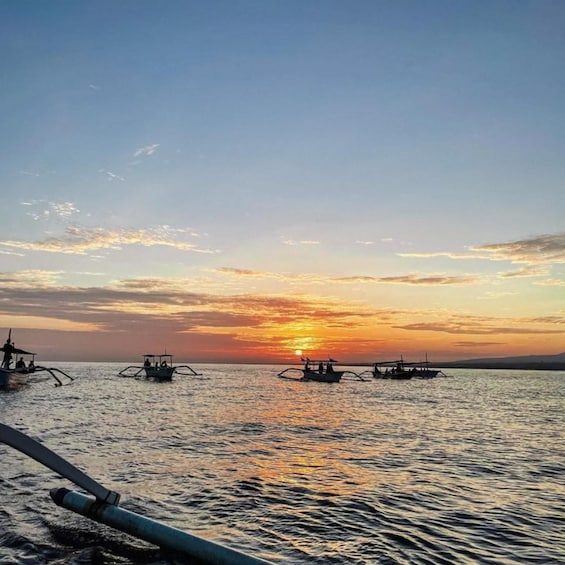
[398, 158]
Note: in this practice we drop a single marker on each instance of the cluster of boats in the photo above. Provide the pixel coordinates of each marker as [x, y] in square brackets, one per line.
[324, 370]
[160, 367]
[18, 364]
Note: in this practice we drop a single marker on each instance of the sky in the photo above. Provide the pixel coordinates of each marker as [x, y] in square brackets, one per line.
[249, 181]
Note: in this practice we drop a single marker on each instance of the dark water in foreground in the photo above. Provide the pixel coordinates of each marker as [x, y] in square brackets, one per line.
[468, 469]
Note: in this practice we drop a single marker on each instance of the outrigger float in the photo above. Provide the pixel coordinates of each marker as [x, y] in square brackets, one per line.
[159, 368]
[104, 508]
[18, 375]
[319, 370]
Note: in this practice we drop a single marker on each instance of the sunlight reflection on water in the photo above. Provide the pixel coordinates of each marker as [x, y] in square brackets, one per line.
[465, 469]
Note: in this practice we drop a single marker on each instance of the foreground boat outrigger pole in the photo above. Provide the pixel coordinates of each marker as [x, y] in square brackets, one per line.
[104, 508]
[45, 456]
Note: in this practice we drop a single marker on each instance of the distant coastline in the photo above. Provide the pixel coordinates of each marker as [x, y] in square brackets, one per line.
[527, 362]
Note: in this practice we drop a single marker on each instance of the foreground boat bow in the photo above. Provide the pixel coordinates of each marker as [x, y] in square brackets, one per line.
[104, 508]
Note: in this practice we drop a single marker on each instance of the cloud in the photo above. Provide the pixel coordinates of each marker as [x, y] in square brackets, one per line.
[147, 150]
[132, 303]
[111, 176]
[242, 272]
[45, 210]
[79, 240]
[302, 242]
[496, 295]
[478, 344]
[419, 280]
[425, 280]
[29, 279]
[358, 242]
[37, 173]
[249, 324]
[476, 325]
[551, 282]
[539, 250]
[526, 272]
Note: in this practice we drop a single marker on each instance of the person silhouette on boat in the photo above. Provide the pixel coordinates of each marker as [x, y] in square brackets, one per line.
[8, 349]
[20, 363]
[329, 368]
[321, 368]
[147, 363]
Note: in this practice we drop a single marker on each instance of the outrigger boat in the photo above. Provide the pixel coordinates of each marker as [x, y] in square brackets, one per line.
[157, 367]
[401, 370]
[18, 375]
[319, 370]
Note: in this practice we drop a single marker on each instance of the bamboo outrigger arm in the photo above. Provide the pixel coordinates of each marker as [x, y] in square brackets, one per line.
[56, 463]
[105, 509]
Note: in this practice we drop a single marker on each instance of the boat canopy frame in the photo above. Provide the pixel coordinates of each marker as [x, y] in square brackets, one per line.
[310, 366]
[158, 360]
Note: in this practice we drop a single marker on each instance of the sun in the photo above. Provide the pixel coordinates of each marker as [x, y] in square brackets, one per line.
[298, 352]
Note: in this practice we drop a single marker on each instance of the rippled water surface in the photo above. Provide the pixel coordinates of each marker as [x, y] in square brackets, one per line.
[466, 469]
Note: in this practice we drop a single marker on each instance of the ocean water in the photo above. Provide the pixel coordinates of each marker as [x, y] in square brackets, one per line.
[467, 469]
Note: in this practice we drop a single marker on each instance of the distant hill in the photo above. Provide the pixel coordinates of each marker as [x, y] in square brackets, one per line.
[531, 362]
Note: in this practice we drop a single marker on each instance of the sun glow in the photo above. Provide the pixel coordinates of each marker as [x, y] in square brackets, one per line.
[298, 352]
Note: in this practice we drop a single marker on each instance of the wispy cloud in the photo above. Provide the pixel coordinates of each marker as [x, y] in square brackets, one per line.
[147, 150]
[539, 250]
[301, 242]
[37, 173]
[110, 175]
[243, 272]
[496, 295]
[45, 210]
[477, 344]
[484, 325]
[551, 282]
[412, 279]
[80, 240]
[34, 279]
[527, 272]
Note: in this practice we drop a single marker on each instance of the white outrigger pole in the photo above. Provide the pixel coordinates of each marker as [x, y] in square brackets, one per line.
[104, 508]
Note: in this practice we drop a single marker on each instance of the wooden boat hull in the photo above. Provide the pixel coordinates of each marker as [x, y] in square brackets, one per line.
[333, 377]
[159, 373]
[12, 378]
[427, 373]
[403, 376]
